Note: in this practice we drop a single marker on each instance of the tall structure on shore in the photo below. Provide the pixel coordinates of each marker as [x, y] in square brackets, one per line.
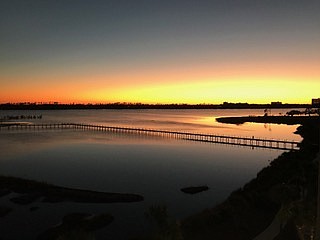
[315, 102]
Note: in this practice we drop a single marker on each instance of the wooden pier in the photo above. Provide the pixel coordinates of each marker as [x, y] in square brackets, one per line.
[210, 138]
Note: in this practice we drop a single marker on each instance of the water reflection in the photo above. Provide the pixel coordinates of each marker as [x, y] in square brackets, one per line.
[201, 121]
[152, 166]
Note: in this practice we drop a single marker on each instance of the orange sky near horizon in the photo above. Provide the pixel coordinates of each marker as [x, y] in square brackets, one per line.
[252, 83]
[160, 51]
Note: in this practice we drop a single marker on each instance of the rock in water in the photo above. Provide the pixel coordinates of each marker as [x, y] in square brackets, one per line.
[194, 190]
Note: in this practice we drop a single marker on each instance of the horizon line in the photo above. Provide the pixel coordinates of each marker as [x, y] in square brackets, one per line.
[142, 103]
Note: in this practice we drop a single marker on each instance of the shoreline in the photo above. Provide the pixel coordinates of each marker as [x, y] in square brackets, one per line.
[289, 183]
[135, 106]
[288, 120]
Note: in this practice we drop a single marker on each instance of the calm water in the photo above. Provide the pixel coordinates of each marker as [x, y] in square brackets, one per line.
[151, 166]
[187, 120]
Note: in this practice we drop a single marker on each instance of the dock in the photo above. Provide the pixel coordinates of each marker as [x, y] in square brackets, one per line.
[201, 137]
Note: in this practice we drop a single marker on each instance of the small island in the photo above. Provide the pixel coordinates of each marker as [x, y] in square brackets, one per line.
[31, 191]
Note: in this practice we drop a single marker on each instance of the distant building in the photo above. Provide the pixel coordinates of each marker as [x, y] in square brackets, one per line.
[315, 102]
[276, 103]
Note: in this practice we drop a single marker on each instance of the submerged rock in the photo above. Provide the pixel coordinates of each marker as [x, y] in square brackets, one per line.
[25, 199]
[194, 190]
[4, 192]
[4, 211]
[77, 225]
[32, 209]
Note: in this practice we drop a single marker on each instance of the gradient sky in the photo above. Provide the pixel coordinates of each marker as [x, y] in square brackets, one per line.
[200, 51]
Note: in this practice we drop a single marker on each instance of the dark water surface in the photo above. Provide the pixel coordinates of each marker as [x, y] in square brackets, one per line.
[154, 167]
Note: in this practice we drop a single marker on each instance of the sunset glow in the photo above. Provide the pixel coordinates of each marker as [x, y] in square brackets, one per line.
[161, 53]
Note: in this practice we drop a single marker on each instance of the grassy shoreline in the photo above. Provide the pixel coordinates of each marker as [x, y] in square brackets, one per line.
[289, 183]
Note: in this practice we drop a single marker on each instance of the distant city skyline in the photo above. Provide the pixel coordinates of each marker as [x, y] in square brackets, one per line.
[159, 51]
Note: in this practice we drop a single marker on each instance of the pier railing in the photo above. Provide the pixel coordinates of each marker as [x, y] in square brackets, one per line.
[210, 138]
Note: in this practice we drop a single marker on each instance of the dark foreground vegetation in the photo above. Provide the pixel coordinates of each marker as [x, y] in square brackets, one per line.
[286, 189]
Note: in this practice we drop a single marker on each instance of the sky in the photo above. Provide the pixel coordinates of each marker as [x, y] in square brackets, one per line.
[190, 51]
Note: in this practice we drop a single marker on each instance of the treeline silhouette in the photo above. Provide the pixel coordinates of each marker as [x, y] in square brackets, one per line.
[225, 105]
